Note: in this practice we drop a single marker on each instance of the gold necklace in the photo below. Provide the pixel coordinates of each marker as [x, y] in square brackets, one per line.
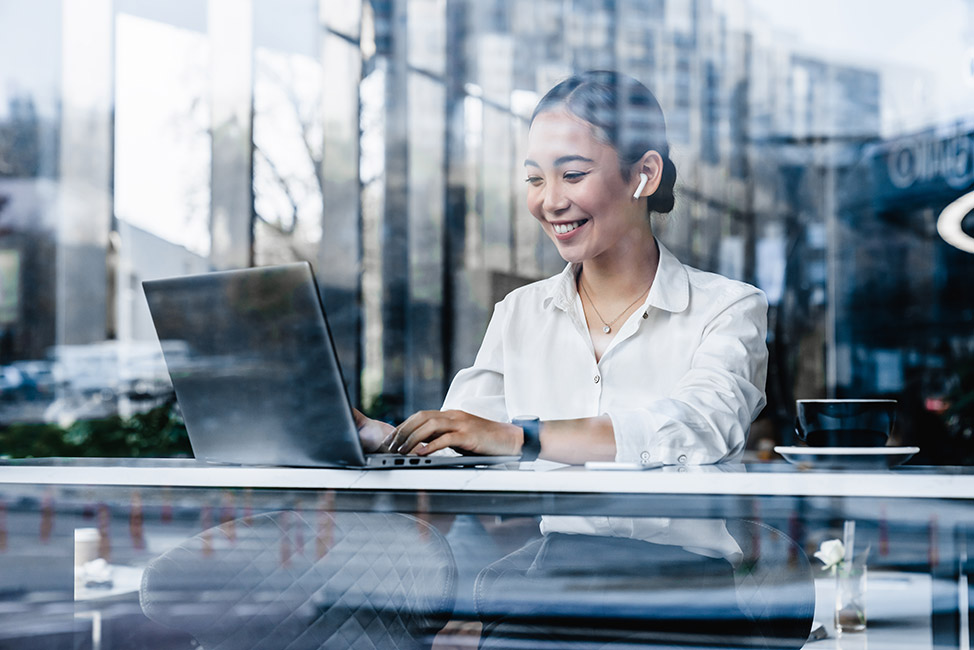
[607, 327]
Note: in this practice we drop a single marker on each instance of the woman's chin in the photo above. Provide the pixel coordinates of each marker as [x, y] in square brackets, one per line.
[568, 250]
[572, 257]
[572, 254]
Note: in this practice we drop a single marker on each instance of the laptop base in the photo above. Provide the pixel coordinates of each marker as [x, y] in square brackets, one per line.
[398, 461]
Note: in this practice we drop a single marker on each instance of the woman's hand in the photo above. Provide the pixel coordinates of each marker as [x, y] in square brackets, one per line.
[372, 432]
[459, 430]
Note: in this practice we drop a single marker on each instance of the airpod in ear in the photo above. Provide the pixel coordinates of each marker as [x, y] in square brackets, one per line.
[643, 179]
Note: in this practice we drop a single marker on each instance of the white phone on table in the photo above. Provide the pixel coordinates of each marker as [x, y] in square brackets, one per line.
[612, 465]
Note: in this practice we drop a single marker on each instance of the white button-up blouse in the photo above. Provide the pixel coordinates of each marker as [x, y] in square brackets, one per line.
[682, 380]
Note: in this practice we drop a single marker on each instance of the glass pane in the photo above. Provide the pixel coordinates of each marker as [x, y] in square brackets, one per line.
[822, 155]
[119, 564]
[288, 135]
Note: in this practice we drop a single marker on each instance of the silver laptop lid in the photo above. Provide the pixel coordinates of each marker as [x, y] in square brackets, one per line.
[256, 377]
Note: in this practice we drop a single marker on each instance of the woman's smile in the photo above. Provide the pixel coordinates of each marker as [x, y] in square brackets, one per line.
[565, 229]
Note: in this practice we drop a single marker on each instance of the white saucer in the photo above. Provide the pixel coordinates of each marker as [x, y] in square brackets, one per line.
[847, 457]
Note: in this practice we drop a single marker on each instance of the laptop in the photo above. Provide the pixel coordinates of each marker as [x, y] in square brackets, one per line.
[256, 374]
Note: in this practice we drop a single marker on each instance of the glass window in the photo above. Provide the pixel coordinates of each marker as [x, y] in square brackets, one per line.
[825, 154]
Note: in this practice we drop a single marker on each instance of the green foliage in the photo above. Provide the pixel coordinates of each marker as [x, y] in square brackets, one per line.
[157, 433]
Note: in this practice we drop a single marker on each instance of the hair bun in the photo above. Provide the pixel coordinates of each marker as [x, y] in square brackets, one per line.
[663, 199]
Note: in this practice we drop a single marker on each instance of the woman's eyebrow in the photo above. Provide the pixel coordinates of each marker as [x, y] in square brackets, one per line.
[567, 159]
[561, 161]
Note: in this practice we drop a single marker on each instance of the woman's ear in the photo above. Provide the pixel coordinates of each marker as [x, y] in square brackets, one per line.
[650, 165]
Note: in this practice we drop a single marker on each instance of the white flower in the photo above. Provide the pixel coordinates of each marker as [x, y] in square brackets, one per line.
[831, 553]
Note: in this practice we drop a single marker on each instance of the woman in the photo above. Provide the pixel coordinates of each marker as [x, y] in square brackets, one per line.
[626, 355]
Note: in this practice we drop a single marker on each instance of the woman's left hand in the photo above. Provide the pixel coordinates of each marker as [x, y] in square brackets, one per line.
[371, 432]
[459, 430]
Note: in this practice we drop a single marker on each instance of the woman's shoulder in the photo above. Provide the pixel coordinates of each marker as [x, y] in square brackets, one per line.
[720, 289]
[704, 287]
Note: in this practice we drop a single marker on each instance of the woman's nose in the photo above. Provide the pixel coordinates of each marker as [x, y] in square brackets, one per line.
[554, 199]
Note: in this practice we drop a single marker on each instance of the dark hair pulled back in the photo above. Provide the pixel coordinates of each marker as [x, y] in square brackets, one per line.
[626, 115]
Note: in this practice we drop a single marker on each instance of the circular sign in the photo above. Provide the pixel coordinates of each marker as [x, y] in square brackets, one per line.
[950, 225]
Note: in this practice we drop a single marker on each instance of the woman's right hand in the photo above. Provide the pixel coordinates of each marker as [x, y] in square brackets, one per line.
[428, 431]
[372, 432]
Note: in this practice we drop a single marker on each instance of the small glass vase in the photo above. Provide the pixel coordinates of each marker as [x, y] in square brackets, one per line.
[850, 597]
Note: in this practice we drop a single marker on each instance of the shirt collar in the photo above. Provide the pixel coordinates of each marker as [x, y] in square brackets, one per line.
[670, 290]
[564, 290]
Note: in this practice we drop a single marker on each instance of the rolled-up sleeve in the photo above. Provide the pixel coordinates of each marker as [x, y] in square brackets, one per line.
[706, 415]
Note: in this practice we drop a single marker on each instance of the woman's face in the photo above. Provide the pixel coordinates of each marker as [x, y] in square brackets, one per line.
[576, 191]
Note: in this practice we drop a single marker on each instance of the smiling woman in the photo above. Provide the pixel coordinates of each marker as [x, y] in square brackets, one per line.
[627, 355]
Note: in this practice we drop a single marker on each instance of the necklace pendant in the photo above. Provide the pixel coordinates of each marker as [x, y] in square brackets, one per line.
[606, 329]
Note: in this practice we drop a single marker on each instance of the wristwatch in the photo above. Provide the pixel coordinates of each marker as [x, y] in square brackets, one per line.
[531, 426]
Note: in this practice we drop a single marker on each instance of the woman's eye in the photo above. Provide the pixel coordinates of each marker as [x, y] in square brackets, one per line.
[533, 180]
[574, 176]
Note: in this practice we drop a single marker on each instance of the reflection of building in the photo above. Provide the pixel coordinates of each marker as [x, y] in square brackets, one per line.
[905, 304]
[28, 156]
[411, 193]
[142, 256]
[828, 113]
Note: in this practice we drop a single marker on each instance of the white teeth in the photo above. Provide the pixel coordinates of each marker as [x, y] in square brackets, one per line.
[562, 228]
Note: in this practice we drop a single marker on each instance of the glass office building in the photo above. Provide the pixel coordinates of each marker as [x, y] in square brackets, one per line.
[817, 150]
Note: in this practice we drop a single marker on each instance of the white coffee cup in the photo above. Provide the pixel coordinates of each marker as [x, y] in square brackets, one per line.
[86, 543]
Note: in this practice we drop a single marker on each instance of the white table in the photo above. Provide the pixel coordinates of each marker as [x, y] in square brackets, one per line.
[771, 479]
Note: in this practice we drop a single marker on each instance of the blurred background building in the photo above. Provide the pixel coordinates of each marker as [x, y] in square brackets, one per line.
[818, 145]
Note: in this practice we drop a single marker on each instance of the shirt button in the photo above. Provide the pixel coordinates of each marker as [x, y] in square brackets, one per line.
[644, 456]
[682, 459]
[597, 379]
[645, 315]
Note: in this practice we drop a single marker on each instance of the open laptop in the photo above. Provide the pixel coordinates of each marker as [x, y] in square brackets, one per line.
[256, 375]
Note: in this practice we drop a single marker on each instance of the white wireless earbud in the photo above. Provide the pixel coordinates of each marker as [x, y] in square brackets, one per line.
[643, 179]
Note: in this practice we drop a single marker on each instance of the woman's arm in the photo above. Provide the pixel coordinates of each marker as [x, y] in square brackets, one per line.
[706, 415]
[565, 441]
[579, 440]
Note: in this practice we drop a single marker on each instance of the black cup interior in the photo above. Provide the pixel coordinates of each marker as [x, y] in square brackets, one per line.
[845, 423]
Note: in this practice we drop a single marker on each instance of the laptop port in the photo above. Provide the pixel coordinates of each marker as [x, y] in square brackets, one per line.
[399, 461]
[414, 461]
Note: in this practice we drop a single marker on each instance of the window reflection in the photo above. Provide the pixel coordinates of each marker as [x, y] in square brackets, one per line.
[818, 149]
[288, 134]
[287, 564]
[162, 107]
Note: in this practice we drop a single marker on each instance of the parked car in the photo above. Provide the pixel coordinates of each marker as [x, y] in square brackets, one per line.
[40, 378]
[11, 383]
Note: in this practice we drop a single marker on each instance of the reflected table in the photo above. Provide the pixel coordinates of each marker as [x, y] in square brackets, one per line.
[916, 520]
[898, 609]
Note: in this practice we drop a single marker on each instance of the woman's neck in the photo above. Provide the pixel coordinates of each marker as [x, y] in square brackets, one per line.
[624, 273]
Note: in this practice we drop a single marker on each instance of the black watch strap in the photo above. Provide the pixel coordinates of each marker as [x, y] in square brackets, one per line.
[531, 426]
